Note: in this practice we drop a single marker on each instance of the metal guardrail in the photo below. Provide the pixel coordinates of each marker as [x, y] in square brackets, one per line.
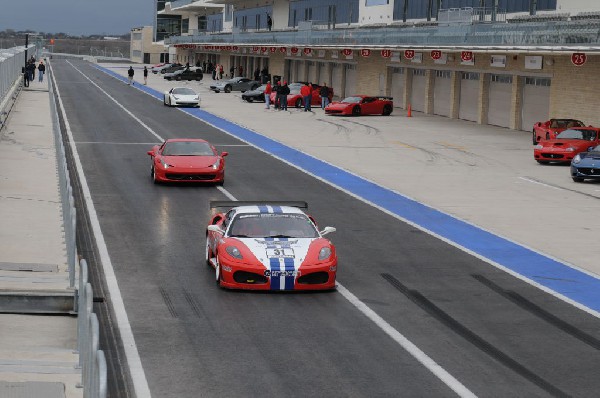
[11, 61]
[528, 34]
[91, 360]
[66, 191]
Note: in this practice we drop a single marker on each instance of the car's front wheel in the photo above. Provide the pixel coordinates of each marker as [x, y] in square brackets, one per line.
[535, 141]
[356, 111]
[227, 89]
[217, 272]
[577, 179]
[153, 175]
[298, 103]
[208, 253]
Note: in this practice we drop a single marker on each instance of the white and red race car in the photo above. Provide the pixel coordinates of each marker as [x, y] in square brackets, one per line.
[269, 246]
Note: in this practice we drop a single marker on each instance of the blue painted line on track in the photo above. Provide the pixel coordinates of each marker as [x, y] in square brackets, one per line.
[550, 273]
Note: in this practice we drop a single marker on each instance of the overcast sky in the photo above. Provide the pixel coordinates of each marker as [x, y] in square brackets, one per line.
[76, 17]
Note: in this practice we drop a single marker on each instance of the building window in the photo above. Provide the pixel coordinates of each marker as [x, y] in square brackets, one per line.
[398, 70]
[185, 25]
[538, 81]
[501, 78]
[419, 72]
[202, 23]
[444, 74]
[228, 12]
[470, 76]
[369, 3]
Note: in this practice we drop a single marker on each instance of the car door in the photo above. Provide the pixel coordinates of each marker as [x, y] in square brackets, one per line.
[369, 105]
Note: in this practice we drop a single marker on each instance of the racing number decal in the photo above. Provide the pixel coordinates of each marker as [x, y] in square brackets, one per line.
[578, 59]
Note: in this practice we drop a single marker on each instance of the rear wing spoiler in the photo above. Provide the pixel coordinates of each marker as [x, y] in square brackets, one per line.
[386, 98]
[230, 203]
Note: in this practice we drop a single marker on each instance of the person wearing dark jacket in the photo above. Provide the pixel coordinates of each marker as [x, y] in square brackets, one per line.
[41, 70]
[324, 93]
[130, 74]
[283, 92]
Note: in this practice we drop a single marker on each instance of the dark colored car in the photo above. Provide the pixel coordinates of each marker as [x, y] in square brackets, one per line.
[586, 165]
[172, 68]
[185, 74]
[255, 95]
[242, 84]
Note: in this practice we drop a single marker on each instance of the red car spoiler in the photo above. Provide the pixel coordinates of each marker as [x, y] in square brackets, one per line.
[230, 203]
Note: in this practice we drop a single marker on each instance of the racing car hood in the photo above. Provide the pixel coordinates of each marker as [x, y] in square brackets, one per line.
[289, 251]
[190, 161]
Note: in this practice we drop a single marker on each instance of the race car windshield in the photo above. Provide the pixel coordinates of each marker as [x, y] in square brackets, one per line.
[184, 91]
[565, 123]
[187, 148]
[352, 100]
[272, 225]
[586, 135]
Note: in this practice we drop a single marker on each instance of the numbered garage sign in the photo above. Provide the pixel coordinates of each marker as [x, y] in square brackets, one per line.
[386, 53]
[436, 54]
[365, 52]
[578, 59]
[409, 54]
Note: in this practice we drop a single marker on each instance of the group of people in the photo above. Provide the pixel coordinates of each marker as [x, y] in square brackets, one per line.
[131, 73]
[283, 90]
[29, 71]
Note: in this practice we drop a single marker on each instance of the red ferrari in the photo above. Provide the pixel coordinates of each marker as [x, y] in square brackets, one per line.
[187, 160]
[566, 145]
[361, 105]
[548, 130]
[269, 246]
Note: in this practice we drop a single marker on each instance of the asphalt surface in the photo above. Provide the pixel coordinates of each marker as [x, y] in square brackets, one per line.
[494, 333]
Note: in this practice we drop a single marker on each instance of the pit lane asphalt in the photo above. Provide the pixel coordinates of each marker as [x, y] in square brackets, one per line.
[489, 330]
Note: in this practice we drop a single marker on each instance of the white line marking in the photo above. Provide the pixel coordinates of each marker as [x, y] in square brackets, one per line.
[118, 143]
[539, 183]
[140, 384]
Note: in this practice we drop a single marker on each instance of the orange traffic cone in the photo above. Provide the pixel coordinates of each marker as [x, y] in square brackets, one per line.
[409, 112]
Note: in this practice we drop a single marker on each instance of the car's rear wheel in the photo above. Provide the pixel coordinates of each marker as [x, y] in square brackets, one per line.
[356, 111]
[298, 103]
[535, 141]
[577, 179]
[387, 110]
[198, 78]
[227, 89]
[249, 99]
[208, 253]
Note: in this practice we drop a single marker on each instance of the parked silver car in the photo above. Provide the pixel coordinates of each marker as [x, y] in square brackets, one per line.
[236, 84]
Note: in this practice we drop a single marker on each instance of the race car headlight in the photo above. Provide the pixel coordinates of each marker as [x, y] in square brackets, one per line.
[577, 159]
[324, 253]
[234, 252]
[197, 98]
[570, 149]
[217, 164]
[165, 164]
[539, 146]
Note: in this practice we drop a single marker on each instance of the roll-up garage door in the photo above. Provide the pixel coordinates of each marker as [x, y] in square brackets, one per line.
[351, 77]
[469, 96]
[301, 76]
[441, 93]
[336, 81]
[312, 72]
[417, 96]
[536, 101]
[398, 87]
[323, 77]
[500, 100]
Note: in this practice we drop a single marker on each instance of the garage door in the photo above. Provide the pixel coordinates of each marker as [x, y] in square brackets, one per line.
[441, 93]
[398, 87]
[301, 76]
[417, 96]
[312, 71]
[323, 77]
[536, 101]
[500, 99]
[350, 80]
[469, 96]
[336, 81]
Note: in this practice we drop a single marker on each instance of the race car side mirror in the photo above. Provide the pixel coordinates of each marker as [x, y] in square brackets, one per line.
[214, 228]
[223, 154]
[151, 153]
[327, 230]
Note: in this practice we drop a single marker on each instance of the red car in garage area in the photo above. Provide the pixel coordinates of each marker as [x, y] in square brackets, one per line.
[187, 160]
[549, 129]
[361, 105]
[566, 145]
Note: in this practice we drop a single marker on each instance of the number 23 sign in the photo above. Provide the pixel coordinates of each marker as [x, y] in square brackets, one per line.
[578, 59]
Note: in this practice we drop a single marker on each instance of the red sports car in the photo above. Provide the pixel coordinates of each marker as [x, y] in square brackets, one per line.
[548, 130]
[187, 160]
[361, 105]
[294, 99]
[566, 145]
[269, 246]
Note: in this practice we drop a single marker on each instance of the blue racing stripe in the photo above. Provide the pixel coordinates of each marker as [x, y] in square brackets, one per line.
[576, 285]
[289, 280]
[263, 209]
[275, 280]
[277, 209]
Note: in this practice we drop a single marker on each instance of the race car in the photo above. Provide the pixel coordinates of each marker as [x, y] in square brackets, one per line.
[269, 246]
[361, 105]
[187, 160]
[549, 129]
[566, 145]
[181, 96]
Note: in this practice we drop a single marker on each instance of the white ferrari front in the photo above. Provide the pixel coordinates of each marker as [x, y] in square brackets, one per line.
[181, 96]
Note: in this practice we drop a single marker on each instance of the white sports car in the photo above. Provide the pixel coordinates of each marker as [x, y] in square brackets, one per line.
[181, 96]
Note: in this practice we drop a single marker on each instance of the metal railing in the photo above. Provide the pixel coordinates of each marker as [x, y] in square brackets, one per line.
[66, 191]
[470, 15]
[530, 34]
[11, 62]
[91, 359]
